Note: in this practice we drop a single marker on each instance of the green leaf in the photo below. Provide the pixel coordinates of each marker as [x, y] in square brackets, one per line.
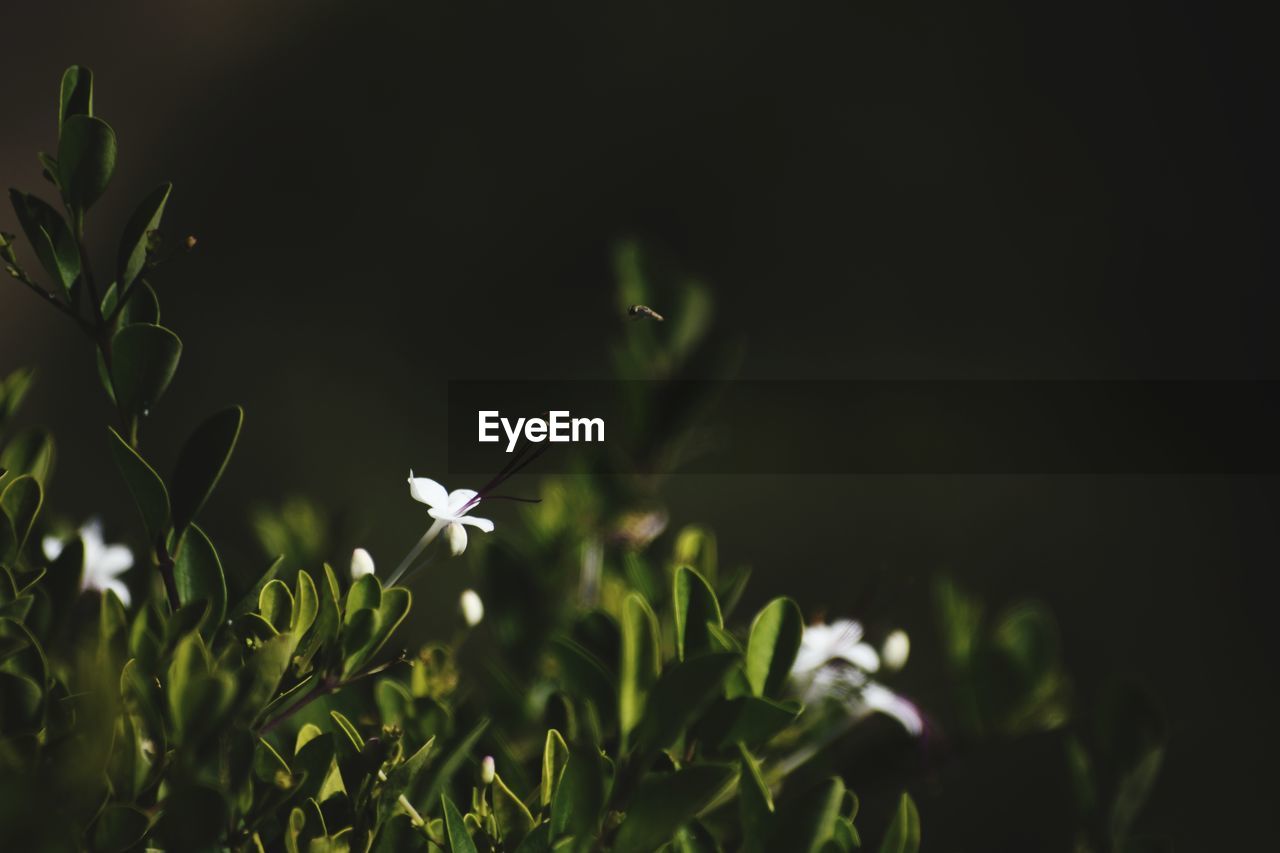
[514, 817]
[143, 306]
[579, 797]
[118, 828]
[201, 463]
[197, 573]
[358, 637]
[443, 775]
[810, 825]
[459, 839]
[747, 719]
[555, 754]
[365, 593]
[29, 452]
[148, 490]
[262, 672]
[50, 239]
[305, 605]
[402, 779]
[132, 255]
[662, 804]
[144, 359]
[695, 606]
[584, 675]
[75, 94]
[679, 697]
[21, 500]
[13, 389]
[903, 835]
[325, 627]
[641, 660]
[772, 646]
[755, 802]
[275, 603]
[86, 159]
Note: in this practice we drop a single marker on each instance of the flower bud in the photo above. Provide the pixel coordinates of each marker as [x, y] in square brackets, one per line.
[487, 770]
[896, 650]
[472, 607]
[361, 564]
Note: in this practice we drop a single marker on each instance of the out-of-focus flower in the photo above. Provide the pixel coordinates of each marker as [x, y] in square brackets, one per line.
[841, 640]
[103, 563]
[471, 607]
[895, 650]
[833, 664]
[361, 564]
[487, 770]
[449, 509]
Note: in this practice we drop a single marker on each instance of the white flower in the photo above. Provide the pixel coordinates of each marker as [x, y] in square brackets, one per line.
[449, 509]
[487, 770]
[361, 564]
[472, 607]
[841, 640]
[833, 664]
[895, 650]
[103, 563]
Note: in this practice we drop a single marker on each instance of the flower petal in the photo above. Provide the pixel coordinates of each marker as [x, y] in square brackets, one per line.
[457, 536]
[114, 560]
[361, 563]
[118, 587]
[459, 498]
[482, 523]
[52, 547]
[882, 699]
[428, 491]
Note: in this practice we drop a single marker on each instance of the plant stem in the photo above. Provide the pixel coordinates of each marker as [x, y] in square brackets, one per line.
[51, 298]
[323, 688]
[165, 563]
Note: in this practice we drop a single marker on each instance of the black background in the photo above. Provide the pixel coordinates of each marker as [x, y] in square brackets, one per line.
[391, 194]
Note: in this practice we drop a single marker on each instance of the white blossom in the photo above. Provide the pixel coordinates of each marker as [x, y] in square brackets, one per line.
[103, 563]
[471, 607]
[361, 564]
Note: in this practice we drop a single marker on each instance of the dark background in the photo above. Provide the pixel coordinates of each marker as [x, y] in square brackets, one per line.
[391, 194]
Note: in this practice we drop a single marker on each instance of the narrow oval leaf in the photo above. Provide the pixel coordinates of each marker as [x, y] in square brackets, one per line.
[29, 452]
[198, 574]
[662, 804]
[365, 594]
[132, 255]
[21, 499]
[275, 603]
[679, 697]
[75, 94]
[144, 359]
[641, 660]
[903, 835]
[50, 239]
[86, 159]
[580, 795]
[695, 606]
[555, 754]
[812, 821]
[201, 463]
[459, 839]
[772, 645]
[149, 493]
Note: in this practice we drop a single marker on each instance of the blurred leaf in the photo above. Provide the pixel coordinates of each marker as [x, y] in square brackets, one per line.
[695, 606]
[755, 802]
[144, 359]
[86, 159]
[275, 603]
[575, 809]
[402, 779]
[459, 839]
[193, 818]
[118, 828]
[811, 823]
[29, 452]
[50, 239]
[903, 835]
[680, 695]
[13, 390]
[441, 776]
[148, 490]
[772, 646]
[201, 463]
[663, 803]
[641, 659]
[21, 499]
[584, 675]
[751, 720]
[555, 754]
[1132, 792]
[513, 815]
[133, 243]
[365, 593]
[75, 94]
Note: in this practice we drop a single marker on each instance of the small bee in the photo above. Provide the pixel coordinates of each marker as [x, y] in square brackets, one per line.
[637, 311]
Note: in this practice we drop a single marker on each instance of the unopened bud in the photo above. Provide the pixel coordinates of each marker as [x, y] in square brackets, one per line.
[472, 607]
[487, 770]
[896, 650]
[361, 564]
